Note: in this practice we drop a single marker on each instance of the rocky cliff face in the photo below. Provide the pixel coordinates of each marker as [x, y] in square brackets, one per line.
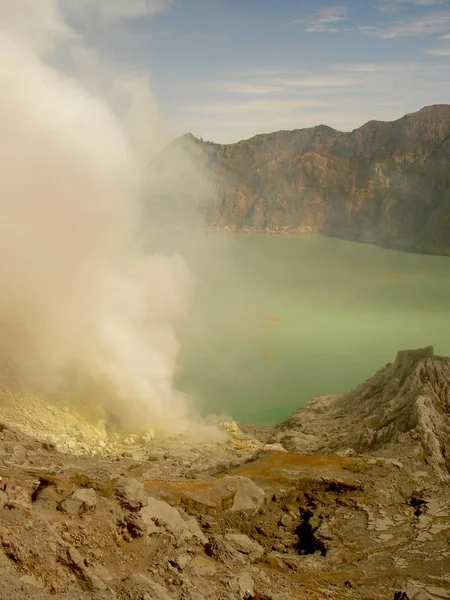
[387, 182]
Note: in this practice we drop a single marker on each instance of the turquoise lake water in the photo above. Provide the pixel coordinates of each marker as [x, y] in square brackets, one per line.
[276, 320]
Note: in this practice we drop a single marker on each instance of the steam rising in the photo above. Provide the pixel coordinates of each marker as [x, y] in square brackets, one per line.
[80, 300]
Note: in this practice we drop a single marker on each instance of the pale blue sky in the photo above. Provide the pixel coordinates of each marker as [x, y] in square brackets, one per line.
[228, 69]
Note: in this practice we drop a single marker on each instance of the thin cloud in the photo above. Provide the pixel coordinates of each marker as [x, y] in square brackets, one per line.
[439, 51]
[287, 83]
[117, 10]
[323, 19]
[393, 5]
[378, 67]
[239, 87]
[320, 81]
[258, 107]
[263, 72]
[417, 2]
[433, 23]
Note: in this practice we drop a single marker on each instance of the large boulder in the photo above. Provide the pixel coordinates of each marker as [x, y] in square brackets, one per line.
[131, 493]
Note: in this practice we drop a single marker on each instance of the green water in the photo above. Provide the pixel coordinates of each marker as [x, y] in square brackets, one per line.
[276, 320]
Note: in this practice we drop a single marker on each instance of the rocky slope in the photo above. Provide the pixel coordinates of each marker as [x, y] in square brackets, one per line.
[348, 500]
[387, 182]
[406, 405]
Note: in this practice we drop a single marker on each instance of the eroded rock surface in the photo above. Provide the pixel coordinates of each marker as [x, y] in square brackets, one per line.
[403, 411]
[349, 499]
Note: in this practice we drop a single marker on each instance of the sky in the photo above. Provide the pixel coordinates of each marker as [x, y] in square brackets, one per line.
[226, 70]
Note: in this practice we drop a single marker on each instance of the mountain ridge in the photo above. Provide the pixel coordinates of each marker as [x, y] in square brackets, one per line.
[386, 182]
[424, 110]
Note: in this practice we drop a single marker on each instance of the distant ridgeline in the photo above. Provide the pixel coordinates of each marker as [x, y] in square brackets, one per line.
[386, 183]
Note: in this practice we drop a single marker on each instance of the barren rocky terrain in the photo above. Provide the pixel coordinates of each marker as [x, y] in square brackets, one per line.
[349, 498]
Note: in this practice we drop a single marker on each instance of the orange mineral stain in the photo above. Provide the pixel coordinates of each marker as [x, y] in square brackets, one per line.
[273, 318]
[431, 309]
[406, 276]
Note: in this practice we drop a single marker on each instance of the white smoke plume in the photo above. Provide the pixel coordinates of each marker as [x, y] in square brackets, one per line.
[80, 299]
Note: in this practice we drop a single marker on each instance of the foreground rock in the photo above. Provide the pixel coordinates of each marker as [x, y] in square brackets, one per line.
[348, 499]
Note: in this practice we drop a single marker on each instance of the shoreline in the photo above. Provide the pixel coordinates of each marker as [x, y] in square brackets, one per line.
[399, 247]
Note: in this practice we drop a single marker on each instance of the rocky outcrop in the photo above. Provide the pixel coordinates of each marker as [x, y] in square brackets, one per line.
[407, 404]
[386, 183]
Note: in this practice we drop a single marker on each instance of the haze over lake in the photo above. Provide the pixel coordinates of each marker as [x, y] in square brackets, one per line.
[276, 320]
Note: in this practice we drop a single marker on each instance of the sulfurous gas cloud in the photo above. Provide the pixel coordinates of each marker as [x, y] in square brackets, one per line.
[84, 310]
